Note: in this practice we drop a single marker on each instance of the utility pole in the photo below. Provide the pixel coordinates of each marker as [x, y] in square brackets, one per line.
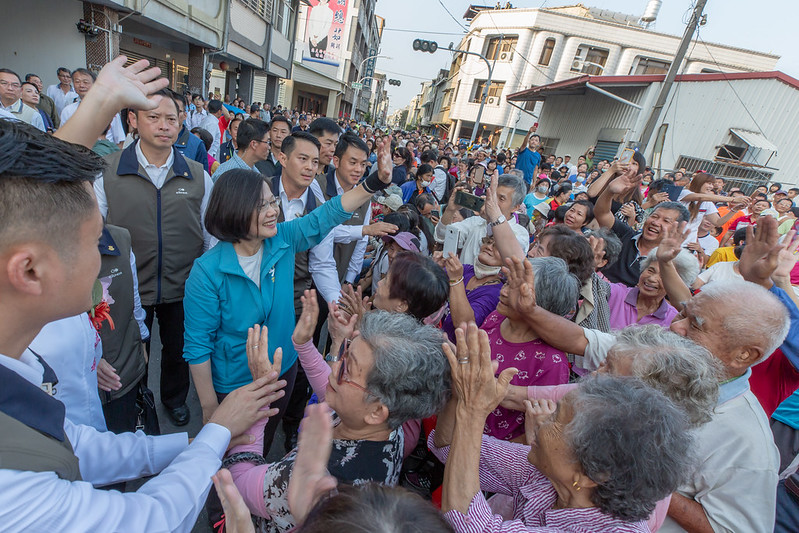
[651, 122]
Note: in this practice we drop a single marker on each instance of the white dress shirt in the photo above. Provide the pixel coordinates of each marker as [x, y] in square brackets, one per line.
[321, 263]
[196, 118]
[116, 134]
[41, 501]
[61, 98]
[157, 175]
[343, 234]
[211, 124]
[470, 236]
[72, 347]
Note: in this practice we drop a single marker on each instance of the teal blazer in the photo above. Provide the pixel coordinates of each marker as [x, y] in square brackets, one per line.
[221, 302]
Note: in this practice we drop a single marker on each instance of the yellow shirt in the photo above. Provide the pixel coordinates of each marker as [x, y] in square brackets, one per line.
[722, 255]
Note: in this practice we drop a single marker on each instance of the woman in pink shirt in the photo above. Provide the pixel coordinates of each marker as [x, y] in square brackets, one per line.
[514, 344]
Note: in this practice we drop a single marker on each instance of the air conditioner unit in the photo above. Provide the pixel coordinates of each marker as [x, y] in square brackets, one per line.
[577, 65]
[506, 56]
[491, 100]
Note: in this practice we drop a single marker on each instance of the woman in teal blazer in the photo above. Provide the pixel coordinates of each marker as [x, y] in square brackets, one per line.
[248, 278]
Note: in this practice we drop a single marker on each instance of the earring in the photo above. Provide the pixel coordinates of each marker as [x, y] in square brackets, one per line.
[576, 486]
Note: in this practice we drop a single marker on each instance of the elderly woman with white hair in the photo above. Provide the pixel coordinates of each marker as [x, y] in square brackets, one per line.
[392, 371]
[514, 344]
[646, 302]
[577, 474]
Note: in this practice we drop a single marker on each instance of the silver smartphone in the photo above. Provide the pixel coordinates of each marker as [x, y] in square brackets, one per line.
[451, 241]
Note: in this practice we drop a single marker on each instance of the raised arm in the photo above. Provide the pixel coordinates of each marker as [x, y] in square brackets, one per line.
[504, 238]
[621, 185]
[459, 307]
[376, 181]
[670, 245]
[595, 189]
[116, 87]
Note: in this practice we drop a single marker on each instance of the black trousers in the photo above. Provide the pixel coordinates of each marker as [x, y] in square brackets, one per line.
[121, 414]
[174, 386]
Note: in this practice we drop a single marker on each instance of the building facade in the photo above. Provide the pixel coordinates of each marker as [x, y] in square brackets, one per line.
[533, 47]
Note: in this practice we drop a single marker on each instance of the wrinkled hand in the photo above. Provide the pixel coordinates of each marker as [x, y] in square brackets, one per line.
[237, 515]
[107, 378]
[353, 302]
[759, 257]
[787, 257]
[521, 282]
[473, 382]
[385, 165]
[660, 197]
[536, 412]
[491, 210]
[451, 203]
[340, 325]
[671, 242]
[379, 229]
[129, 86]
[740, 202]
[628, 210]
[258, 353]
[309, 478]
[598, 247]
[306, 325]
[453, 267]
[625, 182]
[247, 405]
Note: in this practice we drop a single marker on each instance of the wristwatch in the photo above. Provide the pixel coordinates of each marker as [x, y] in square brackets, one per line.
[498, 221]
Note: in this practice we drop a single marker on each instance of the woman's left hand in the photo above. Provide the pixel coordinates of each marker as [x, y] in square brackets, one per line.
[352, 301]
[536, 412]
[258, 353]
[478, 391]
[454, 268]
[237, 515]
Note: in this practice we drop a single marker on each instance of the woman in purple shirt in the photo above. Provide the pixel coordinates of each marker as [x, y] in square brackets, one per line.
[646, 302]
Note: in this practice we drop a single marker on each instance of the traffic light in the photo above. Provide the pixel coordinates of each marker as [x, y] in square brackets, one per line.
[394, 82]
[425, 46]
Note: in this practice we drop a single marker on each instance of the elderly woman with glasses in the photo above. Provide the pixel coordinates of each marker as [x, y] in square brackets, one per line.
[591, 465]
[247, 278]
[392, 370]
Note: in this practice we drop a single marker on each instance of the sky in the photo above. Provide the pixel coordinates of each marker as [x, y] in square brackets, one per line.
[768, 28]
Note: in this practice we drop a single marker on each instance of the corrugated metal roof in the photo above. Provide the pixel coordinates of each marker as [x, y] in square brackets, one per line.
[576, 85]
[754, 139]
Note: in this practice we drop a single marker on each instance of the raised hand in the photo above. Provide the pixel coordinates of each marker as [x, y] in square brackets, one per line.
[536, 412]
[340, 325]
[352, 301]
[521, 282]
[247, 405]
[385, 165]
[309, 478]
[671, 243]
[129, 86]
[379, 229]
[473, 372]
[788, 256]
[453, 267]
[491, 210]
[258, 353]
[237, 515]
[306, 325]
[598, 247]
[760, 255]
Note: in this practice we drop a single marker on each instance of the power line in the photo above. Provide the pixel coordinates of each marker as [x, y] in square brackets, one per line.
[451, 15]
[404, 30]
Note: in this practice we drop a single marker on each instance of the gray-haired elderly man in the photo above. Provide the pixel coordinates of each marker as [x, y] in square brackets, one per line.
[735, 450]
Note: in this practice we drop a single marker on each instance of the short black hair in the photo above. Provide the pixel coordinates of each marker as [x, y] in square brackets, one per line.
[252, 129]
[427, 156]
[235, 197]
[42, 192]
[323, 125]
[30, 75]
[289, 142]
[9, 71]
[62, 69]
[214, 106]
[449, 160]
[279, 118]
[205, 136]
[85, 72]
[424, 169]
[347, 140]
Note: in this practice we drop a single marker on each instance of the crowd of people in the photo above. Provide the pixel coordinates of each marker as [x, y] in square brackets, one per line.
[451, 337]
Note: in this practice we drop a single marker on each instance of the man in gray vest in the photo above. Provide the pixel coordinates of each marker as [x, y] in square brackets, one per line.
[49, 229]
[160, 197]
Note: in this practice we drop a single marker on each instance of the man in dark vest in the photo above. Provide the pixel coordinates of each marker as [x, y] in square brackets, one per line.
[159, 196]
[327, 133]
[279, 129]
[49, 260]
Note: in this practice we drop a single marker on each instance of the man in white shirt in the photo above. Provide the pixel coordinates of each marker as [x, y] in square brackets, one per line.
[83, 80]
[62, 92]
[49, 227]
[11, 101]
[211, 124]
[503, 199]
[199, 113]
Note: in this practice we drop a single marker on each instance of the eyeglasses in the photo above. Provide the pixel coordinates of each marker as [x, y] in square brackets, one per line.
[12, 84]
[343, 351]
[274, 203]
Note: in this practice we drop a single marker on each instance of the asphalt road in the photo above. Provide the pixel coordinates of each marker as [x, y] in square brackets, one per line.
[195, 422]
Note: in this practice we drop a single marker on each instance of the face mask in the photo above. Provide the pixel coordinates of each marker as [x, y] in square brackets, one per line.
[543, 190]
[483, 271]
[645, 183]
[580, 179]
[425, 184]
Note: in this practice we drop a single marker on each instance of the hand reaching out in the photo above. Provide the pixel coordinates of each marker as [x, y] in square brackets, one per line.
[536, 412]
[759, 257]
[598, 247]
[306, 325]
[258, 353]
[787, 257]
[352, 301]
[521, 282]
[129, 86]
[237, 515]
[309, 478]
[453, 267]
[385, 165]
[671, 243]
[340, 325]
[379, 229]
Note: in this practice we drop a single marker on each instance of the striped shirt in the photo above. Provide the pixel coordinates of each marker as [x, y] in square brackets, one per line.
[504, 469]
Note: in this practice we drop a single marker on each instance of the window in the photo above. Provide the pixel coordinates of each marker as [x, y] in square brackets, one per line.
[260, 7]
[647, 65]
[494, 91]
[549, 146]
[728, 151]
[283, 17]
[546, 53]
[589, 60]
[501, 48]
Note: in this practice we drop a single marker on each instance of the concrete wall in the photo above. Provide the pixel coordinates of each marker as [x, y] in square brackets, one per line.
[42, 37]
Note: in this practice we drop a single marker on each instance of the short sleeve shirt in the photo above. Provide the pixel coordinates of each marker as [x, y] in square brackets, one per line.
[526, 161]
